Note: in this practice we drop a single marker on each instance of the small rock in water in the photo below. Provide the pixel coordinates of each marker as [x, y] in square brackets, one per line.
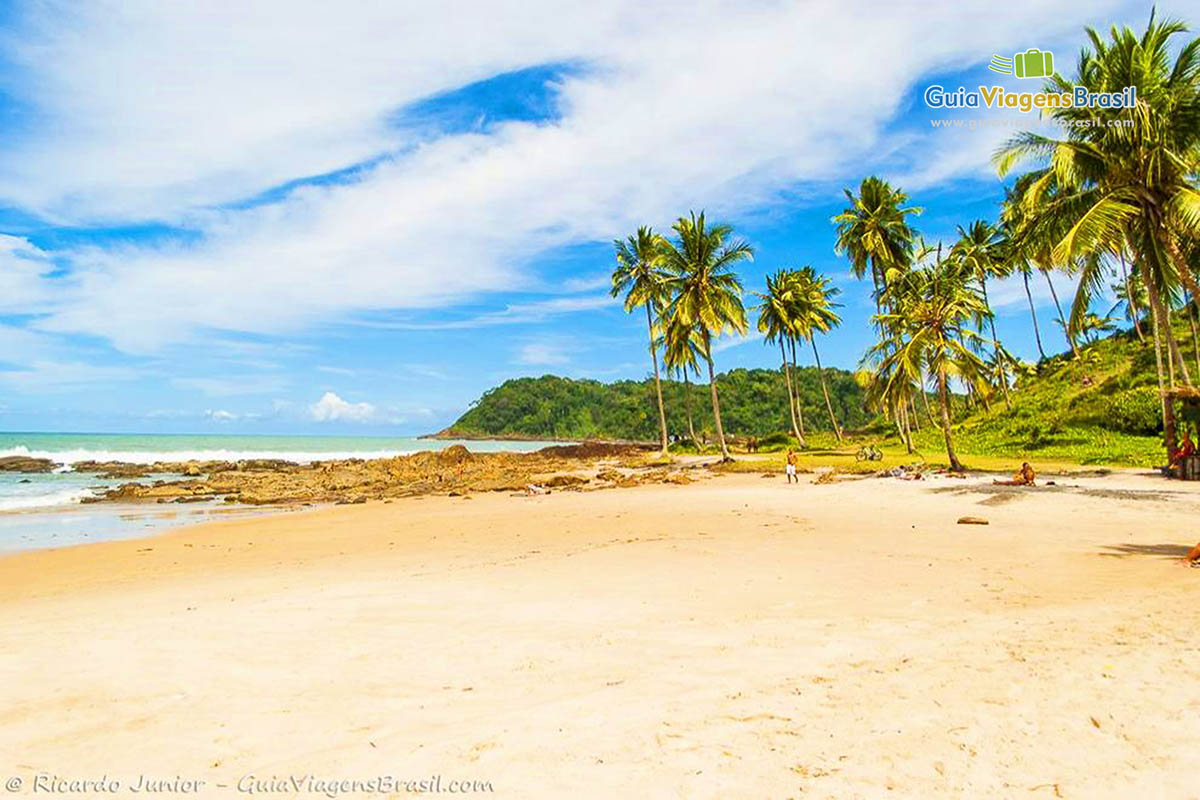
[972, 521]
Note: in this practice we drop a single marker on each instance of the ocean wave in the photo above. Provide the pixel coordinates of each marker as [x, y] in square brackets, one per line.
[60, 497]
[75, 455]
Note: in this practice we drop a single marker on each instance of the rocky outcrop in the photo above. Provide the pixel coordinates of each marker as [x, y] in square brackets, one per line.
[26, 464]
[455, 470]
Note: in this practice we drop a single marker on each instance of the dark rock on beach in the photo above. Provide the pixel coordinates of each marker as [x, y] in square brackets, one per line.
[26, 464]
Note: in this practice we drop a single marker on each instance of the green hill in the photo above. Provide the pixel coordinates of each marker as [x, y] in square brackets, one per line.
[1102, 408]
[753, 403]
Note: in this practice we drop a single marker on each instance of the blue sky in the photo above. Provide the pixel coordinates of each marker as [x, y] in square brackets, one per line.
[282, 217]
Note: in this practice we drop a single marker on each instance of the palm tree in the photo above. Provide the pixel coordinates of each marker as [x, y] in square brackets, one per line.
[981, 250]
[932, 307]
[643, 283]
[1126, 176]
[775, 322]
[707, 293]
[1035, 234]
[1018, 257]
[873, 232]
[813, 313]
[682, 350]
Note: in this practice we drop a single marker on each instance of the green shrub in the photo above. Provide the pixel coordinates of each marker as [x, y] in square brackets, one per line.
[1137, 411]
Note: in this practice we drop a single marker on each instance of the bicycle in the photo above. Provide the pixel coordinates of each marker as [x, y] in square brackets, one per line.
[868, 453]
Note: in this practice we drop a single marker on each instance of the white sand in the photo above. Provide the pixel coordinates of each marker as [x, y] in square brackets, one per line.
[737, 638]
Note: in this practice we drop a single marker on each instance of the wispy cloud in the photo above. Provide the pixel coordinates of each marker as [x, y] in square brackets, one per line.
[542, 354]
[429, 222]
[233, 386]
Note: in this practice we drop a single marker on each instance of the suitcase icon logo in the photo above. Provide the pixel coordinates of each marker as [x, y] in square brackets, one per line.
[1033, 63]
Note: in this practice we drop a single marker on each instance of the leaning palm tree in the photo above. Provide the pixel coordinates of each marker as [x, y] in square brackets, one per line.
[644, 283]
[813, 313]
[776, 323]
[933, 306]
[707, 293]
[981, 250]
[1126, 177]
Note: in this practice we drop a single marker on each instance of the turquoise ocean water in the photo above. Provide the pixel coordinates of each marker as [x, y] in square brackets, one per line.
[43, 510]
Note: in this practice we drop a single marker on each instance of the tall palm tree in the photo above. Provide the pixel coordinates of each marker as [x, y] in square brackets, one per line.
[933, 306]
[707, 293]
[644, 283]
[875, 234]
[813, 313]
[776, 323]
[981, 250]
[1126, 176]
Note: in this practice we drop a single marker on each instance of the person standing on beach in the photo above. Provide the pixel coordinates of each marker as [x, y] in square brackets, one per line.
[791, 466]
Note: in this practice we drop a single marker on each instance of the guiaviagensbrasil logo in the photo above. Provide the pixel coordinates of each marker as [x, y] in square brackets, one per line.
[1033, 63]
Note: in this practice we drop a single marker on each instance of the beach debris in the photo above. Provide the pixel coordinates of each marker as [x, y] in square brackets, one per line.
[829, 476]
[972, 521]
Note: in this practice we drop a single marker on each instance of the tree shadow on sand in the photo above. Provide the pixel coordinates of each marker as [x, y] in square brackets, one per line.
[1159, 550]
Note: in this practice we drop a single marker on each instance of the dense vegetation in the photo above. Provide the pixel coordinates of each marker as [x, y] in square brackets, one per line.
[1101, 407]
[753, 403]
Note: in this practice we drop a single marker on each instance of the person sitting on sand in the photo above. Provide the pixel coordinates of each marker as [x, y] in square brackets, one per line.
[790, 469]
[1023, 478]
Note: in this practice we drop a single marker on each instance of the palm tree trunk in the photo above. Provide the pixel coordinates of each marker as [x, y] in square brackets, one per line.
[905, 428]
[1062, 320]
[662, 415]
[787, 373]
[1000, 368]
[1133, 309]
[1191, 311]
[944, 399]
[687, 407]
[1159, 323]
[1176, 352]
[716, 400]
[925, 398]
[1037, 334]
[1168, 406]
[796, 384]
[837, 431]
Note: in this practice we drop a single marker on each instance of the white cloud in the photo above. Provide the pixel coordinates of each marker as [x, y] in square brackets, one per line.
[542, 354]
[63, 375]
[220, 415]
[150, 110]
[233, 386]
[331, 408]
[23, 290]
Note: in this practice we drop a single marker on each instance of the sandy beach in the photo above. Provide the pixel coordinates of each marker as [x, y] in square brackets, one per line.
[733, 638]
